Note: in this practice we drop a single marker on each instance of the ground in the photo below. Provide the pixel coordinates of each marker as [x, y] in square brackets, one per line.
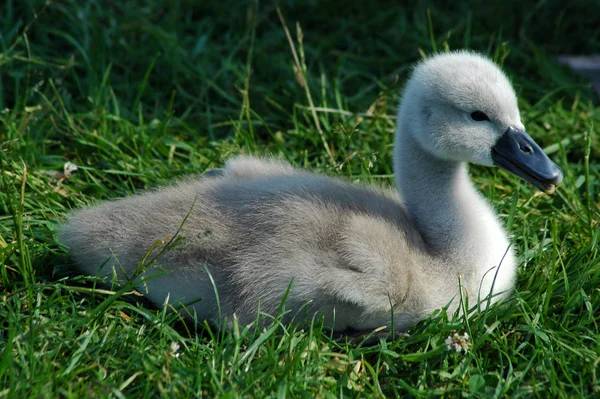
[136, 94]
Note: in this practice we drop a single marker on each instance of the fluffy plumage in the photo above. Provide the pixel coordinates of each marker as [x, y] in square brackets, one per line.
[352, 251]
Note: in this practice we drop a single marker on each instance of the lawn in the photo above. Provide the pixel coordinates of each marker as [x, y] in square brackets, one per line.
[137, 94]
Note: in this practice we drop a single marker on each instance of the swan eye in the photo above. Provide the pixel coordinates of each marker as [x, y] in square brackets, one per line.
[479, 116]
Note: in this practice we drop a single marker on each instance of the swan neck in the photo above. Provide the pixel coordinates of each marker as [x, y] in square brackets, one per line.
[437, 194]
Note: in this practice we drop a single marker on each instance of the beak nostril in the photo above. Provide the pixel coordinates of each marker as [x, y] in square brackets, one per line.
[526, 148]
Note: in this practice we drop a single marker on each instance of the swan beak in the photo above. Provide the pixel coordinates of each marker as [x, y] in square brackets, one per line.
[519, 154]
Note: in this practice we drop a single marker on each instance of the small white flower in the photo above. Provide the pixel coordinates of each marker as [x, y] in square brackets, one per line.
[174, 348]
[68, 168]
[457, 342]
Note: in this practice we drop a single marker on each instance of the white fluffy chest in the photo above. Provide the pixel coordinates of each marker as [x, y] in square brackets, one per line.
[493, 257]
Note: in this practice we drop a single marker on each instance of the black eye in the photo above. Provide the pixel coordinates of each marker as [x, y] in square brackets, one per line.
[479, 116]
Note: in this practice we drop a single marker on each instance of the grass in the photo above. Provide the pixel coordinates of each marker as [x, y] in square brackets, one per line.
[137, 94]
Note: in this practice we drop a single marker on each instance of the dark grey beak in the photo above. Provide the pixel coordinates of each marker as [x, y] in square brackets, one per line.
[517, 153]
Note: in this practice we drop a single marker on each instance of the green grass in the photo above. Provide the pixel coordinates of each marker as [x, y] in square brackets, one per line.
[139, 93]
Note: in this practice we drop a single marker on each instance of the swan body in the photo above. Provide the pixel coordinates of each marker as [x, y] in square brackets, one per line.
[260, 230]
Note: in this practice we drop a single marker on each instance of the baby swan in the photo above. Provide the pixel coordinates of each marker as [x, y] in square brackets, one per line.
[356, 255]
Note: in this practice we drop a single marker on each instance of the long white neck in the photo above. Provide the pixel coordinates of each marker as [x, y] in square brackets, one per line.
[458, 226]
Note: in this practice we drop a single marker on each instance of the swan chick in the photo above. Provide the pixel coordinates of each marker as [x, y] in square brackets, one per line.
[260, 230]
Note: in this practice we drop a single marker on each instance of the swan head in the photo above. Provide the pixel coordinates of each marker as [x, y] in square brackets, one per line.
[461, 107]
